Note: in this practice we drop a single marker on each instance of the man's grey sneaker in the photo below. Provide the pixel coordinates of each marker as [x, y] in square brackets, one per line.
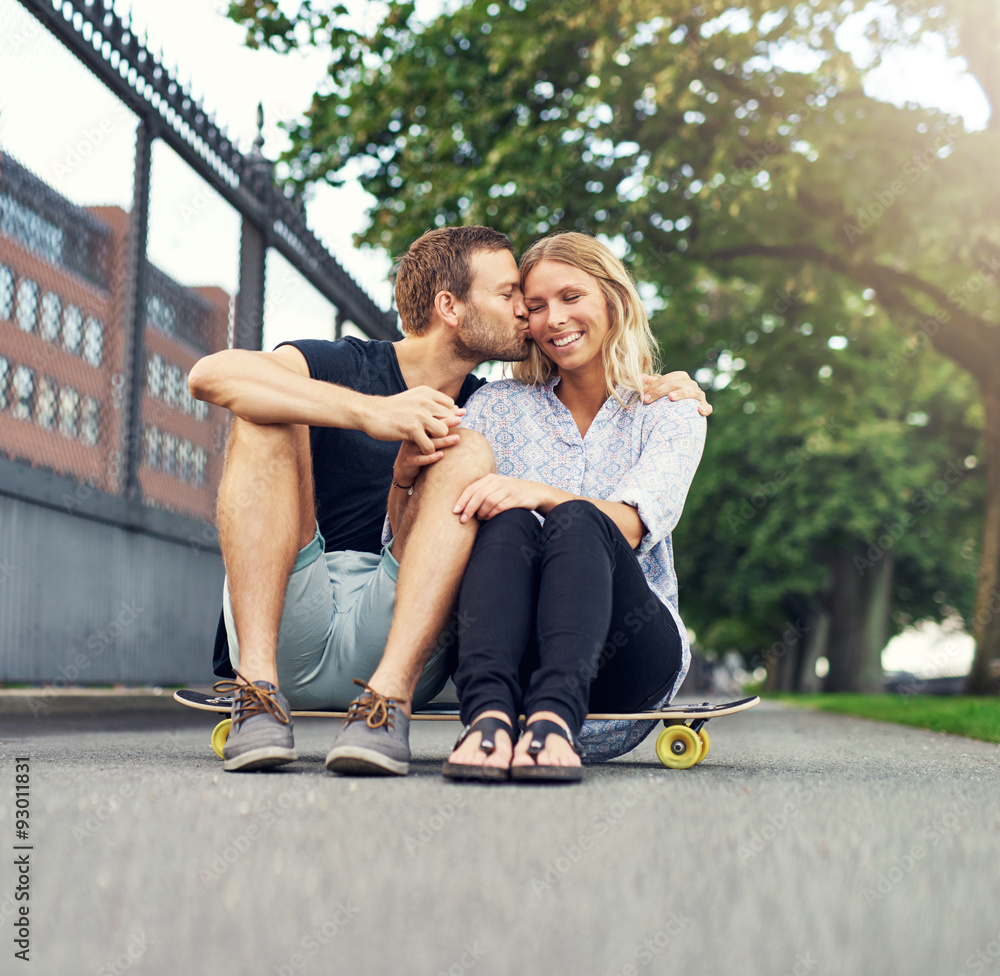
[374, 739]
[261, 736]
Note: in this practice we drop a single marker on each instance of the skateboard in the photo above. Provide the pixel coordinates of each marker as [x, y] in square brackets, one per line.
[683, 742]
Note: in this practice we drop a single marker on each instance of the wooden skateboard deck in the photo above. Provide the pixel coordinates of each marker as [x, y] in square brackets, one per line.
[448, 711]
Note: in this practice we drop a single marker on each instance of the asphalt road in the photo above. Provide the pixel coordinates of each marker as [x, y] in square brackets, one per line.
[805, 843]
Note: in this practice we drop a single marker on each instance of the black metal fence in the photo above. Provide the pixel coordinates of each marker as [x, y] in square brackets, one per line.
[96, 339]
[134, 238]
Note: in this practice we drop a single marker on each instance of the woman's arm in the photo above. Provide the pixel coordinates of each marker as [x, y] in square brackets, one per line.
[496, 493]
[656, 486]
[645, 503]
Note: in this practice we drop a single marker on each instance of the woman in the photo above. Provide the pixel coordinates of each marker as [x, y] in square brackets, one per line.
[569, 601]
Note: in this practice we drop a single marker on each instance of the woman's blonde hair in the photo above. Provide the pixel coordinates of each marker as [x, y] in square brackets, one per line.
[629, 349]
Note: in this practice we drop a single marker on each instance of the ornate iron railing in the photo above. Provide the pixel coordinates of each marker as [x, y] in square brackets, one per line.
[108, 46]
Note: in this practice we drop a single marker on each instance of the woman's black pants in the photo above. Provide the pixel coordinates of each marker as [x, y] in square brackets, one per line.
[559, 617]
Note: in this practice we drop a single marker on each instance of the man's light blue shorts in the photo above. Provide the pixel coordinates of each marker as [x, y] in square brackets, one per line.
[338, 609]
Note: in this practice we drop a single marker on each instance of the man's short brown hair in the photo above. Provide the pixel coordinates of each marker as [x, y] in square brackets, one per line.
[439, 261]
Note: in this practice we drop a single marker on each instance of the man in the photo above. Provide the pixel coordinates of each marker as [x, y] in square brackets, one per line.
[312, 600]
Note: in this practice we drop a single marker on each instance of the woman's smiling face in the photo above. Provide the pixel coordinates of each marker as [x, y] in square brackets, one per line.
[567, 314]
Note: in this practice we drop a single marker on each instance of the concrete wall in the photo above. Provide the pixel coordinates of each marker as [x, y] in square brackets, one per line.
[87, 598]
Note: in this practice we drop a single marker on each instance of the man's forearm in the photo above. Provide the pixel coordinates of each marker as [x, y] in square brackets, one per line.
[258, 388]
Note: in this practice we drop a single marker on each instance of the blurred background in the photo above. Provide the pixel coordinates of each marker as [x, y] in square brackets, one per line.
[806, 193]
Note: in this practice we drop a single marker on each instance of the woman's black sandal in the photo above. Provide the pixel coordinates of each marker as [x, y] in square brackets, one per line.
[488, 726]
[539, 730]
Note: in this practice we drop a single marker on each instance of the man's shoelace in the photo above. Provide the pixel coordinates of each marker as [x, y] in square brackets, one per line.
[249, 700]
[377, 710]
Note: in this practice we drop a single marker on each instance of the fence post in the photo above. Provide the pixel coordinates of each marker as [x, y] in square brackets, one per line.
[134, 366]
[249, 326]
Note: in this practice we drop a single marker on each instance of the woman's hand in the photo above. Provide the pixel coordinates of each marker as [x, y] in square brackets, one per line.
[496, 493]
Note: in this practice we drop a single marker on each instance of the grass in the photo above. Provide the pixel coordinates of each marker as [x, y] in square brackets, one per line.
[975, 718]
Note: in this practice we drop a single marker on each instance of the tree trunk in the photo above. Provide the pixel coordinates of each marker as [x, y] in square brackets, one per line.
[859, 623]
[874, 635]
[984, 678]
[775, 680]
[782, 663]
[845, 614]
[816, 646]
[783, 659]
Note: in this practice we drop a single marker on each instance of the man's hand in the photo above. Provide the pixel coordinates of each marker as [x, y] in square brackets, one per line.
[411, 458]
[677, 386]
[418, 415]
[496, 493]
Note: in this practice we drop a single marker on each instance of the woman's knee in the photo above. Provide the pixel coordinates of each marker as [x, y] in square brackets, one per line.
[575, 516]
[516, 524]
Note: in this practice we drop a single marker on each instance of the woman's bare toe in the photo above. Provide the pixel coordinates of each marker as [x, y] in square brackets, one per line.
[469, 753]
[557, 750]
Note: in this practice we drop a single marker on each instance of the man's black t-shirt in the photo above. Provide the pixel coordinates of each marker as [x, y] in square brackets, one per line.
[351, 471]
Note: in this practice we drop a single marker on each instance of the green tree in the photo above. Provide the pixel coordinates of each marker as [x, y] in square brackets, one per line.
[736, 140]
[816, 525]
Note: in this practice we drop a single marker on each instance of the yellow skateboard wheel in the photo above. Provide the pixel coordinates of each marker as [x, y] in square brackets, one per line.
[678, 747]
[706, 743]
[219, 735]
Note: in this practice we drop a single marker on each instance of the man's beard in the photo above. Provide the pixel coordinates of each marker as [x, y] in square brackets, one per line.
[483, 340]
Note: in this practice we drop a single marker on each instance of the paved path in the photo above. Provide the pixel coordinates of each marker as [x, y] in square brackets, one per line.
[805, 843]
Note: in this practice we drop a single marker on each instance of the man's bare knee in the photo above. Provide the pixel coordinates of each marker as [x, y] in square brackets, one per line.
[244, 435]
[475, 445]
[470, 458]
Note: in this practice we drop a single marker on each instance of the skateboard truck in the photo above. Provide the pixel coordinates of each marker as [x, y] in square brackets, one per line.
[683, 744]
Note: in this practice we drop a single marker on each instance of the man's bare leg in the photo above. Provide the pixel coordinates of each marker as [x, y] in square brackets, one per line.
[432, 547]
[266, 513]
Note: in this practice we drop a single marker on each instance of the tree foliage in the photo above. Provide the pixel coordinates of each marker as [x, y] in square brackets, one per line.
[733, 156]
[818, 453]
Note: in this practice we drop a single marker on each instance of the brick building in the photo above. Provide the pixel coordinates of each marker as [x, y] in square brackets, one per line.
[63, 328]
